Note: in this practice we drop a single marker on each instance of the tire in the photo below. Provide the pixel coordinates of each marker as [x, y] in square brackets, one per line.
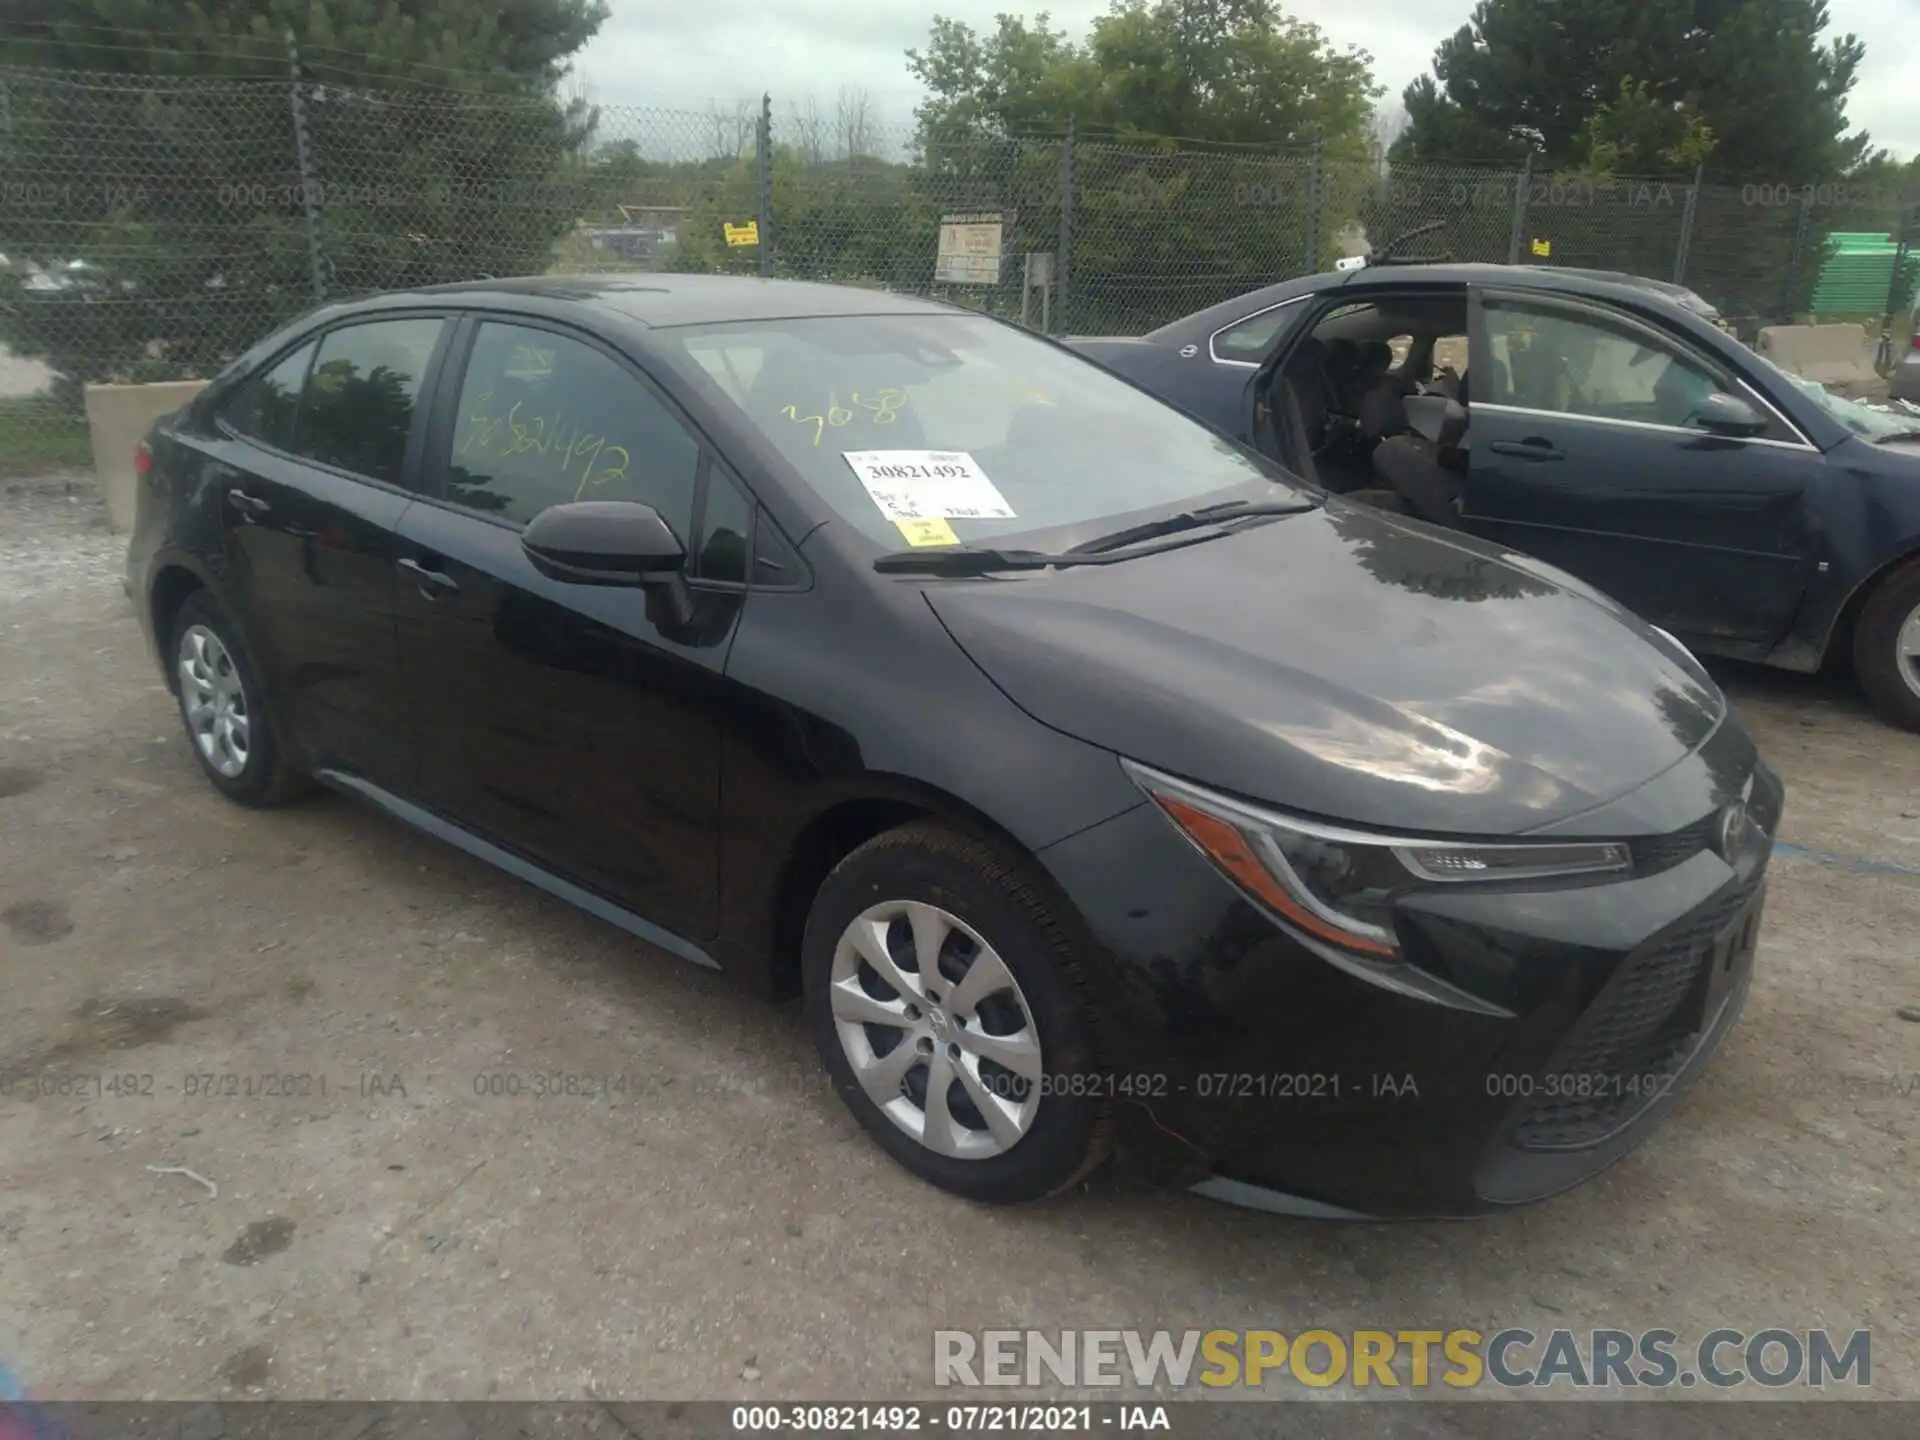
[1886, 647]
[925, 878]
[224, 710]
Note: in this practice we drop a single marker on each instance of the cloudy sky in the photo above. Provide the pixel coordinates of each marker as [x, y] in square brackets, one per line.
[690, 55]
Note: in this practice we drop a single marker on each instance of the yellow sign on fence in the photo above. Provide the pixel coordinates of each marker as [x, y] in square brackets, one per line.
[1543, 248]
[747, 234]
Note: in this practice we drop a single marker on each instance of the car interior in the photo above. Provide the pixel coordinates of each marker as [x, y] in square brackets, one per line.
[1372, 403]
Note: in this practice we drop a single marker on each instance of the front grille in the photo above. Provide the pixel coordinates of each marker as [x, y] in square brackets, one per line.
[1631, 1043]
[1655, 853]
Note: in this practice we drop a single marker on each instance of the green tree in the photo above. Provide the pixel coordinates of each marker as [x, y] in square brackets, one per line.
[1646, 86]
[441, 148]
[1242, 89]
[1233, 71]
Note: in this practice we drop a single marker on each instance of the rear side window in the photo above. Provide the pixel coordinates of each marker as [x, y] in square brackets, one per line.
[264, 407]
[545, 420]
[1250, 339]
[361, 395]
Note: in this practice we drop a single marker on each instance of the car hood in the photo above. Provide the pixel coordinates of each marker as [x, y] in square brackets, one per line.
[1345, 664]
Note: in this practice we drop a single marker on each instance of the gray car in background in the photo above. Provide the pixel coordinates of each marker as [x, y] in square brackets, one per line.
[1903, 382]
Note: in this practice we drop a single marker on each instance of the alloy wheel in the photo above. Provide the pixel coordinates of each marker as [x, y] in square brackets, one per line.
[1906, 648]
[936, 1029]
[215, 701]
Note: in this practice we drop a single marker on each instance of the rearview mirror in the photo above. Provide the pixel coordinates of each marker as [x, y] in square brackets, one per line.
[1725, 414]
[612, 542]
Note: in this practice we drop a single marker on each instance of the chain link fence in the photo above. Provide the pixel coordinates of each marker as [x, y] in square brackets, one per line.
[154, 228]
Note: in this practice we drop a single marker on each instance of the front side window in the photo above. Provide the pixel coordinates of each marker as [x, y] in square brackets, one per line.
[264, 407]
[545, 420]
[979, 429]
[1547, 359]
[361, 394]
[726, 528]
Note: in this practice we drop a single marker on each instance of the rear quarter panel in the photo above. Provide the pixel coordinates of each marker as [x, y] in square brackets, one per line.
[1195, 383]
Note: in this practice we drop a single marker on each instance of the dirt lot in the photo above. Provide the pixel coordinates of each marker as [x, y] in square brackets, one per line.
[718, 1226]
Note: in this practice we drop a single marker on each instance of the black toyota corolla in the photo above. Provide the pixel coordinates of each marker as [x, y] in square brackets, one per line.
[1096, 784]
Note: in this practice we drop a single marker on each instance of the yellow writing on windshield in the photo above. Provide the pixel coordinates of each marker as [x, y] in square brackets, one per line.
[882, 407]
[551, 443]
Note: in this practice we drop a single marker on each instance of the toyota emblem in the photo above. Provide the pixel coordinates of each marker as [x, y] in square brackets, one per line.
[1733, 823]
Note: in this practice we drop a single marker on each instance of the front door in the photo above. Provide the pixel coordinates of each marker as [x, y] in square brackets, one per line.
[311, 459]
[1583, 452]
[557, 719]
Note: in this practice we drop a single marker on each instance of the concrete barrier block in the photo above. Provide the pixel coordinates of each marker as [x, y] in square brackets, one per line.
[1830, 354]
[118, 418]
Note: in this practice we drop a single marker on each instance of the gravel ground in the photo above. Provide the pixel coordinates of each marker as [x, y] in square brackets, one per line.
[718, 1227]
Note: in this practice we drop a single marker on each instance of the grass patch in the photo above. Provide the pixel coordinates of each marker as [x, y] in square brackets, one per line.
[37, 437]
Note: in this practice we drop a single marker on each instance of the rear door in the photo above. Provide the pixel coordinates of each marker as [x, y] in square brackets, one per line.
[561, 720]
[1583, 452]
[313, 459]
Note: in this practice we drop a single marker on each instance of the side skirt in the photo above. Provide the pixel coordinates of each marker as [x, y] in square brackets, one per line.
[518, 866]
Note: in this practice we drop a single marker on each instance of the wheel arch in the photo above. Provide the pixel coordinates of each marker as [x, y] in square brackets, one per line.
[835, 831]
[1838, 650]
[173, 582]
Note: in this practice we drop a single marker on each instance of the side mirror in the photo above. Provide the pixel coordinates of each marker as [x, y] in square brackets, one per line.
[613, 542]
[1724, 414]
[602, 542]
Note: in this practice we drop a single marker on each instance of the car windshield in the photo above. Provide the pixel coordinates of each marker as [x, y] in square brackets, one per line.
[1866, 421]
[942, 429]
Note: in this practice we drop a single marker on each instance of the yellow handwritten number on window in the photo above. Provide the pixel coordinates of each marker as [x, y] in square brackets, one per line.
[884, 408]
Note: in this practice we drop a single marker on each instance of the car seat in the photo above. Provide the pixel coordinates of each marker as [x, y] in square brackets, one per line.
[1382, 408]
[1422, 466]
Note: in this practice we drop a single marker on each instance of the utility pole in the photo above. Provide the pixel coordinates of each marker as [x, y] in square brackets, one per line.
[303, 158]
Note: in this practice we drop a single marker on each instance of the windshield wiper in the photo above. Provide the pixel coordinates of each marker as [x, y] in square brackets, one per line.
[1173, 533]
[966, 561]
[1192, 520]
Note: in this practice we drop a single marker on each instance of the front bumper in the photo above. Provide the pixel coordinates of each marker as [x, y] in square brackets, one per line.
[1242, 1063]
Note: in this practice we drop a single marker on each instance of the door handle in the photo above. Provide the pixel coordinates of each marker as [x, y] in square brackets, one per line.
[433, 583]
[1527, 449]
[247, 504]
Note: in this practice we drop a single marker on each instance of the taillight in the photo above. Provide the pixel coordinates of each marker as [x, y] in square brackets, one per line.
[1916, 339]
[142, 458]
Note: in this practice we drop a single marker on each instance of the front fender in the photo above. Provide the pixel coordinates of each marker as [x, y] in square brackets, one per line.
[1865, 515]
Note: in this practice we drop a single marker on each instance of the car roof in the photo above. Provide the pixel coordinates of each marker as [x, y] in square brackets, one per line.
[1558, 279]
[657, 300]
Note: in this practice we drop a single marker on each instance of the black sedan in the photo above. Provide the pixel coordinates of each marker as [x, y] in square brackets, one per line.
[1607, 425]
[1094, 783]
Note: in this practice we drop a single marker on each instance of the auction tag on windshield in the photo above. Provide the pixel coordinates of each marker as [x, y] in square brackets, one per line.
[928, 485]
[934, 531]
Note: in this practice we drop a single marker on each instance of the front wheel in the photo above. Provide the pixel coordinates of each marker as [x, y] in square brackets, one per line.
[1886, 647]
[943, 992]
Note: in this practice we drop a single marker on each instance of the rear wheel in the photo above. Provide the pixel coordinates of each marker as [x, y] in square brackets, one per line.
[222, 707]
[1886, 647]
[942, 989]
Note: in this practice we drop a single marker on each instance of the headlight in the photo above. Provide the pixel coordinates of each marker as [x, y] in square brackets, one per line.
[1336, 887]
